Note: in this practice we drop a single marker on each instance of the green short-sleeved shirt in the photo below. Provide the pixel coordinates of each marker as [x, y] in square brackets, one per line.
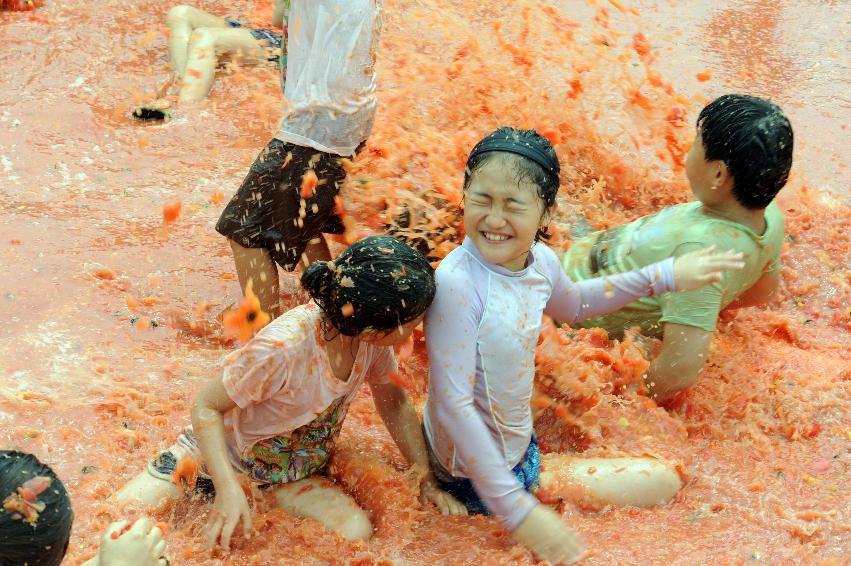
[673, 231]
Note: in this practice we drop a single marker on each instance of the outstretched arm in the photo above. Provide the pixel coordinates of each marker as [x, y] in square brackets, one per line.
[679, 363]
[572, 302]
[402, 422]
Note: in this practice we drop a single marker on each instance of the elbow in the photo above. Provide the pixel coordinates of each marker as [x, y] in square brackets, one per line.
[447, 414]
[203, 413]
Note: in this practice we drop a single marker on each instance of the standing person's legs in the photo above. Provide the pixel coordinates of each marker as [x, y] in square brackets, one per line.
[269, 222]
[256, 265]
[182, 20]
[641, 482]
[317, 250]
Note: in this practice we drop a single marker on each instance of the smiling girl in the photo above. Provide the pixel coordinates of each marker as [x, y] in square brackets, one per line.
[482, 331]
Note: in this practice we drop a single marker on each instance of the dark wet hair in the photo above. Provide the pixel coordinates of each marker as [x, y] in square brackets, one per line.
[378, 283]
[44, 541]
[754, 139]
[533, 158]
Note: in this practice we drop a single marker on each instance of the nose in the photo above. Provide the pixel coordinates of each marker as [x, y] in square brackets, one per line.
[495, 218]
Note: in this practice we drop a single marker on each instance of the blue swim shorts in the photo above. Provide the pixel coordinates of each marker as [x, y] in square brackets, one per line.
[527, 472]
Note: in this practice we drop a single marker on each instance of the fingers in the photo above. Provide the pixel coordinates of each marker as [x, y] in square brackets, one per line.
[247, 527]
[444, 504]
[155, 535]
[227, 531]
[142, 527]
[455, 507]
[213, 529]
[159, 549]
[117, 526]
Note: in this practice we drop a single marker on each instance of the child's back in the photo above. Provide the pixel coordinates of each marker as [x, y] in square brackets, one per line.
[673, 231]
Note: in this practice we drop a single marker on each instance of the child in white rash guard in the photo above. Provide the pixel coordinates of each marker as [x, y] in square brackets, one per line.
[483, 327]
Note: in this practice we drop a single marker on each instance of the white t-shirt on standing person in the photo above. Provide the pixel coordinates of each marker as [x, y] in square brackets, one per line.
[329, 93]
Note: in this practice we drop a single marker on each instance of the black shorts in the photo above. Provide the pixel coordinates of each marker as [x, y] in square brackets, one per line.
[268, 211]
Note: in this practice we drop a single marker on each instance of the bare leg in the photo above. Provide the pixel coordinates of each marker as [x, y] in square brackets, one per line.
[205, 45]
[148, 490]
[321, 499]
[316, 250]
[182, 20]
[257, 265]
[642, 482]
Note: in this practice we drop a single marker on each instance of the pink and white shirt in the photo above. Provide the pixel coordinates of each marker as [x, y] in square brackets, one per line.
[282, 379]
[481, 334]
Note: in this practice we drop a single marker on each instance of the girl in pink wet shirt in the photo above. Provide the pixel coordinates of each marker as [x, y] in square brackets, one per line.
[274, 409]
[482, 331]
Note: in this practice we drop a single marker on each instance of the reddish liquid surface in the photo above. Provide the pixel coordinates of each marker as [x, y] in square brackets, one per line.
[94, 389]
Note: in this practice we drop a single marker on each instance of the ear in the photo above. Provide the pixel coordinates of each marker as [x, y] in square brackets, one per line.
[547, 216]
[722, 177]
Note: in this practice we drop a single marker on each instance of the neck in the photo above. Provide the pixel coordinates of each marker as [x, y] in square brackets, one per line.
[733, 211]
[336, 341]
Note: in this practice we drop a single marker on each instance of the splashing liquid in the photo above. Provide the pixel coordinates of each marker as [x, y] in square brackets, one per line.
[95, 381]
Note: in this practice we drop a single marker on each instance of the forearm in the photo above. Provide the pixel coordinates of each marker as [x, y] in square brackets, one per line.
[679, 363]
[664, 380]
[208, 426]
[404, 425]
[573, 302]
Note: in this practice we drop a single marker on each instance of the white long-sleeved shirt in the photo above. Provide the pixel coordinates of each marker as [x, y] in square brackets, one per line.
[481, 335]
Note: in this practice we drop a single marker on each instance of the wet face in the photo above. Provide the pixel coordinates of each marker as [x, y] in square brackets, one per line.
[502, 216]
[393, 337]
[706, 178]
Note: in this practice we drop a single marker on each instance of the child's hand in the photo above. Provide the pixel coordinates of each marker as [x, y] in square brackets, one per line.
[139, 545]
[696, 269]
[447, 504]
[545, 534]
[229, 507]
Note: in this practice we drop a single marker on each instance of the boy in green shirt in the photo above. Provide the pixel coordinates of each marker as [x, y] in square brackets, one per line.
[740, 159]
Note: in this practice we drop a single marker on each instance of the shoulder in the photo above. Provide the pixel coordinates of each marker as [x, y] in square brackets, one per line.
[775, 220]
[458, 268]
[715, 231]
[546, 261]
[544, 254]
[462, 284]
[298, 327]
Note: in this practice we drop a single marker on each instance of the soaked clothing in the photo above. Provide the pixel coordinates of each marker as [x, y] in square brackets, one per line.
[330, 78]
[271, 461]
[674, 231]
[481, 335]
[272, 39]
[330, 110]
[268, 210]
[527, 472]
[290, 406]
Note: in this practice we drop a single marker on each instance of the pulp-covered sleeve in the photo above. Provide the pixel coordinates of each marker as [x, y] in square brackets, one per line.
[451, 326]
